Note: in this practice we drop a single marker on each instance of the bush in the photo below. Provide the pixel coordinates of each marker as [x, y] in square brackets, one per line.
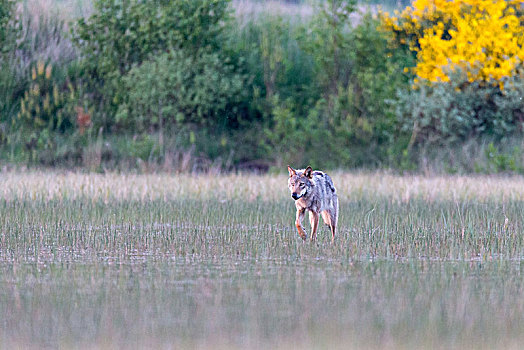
[328, 40]
[178, 88]
[481, 38]
[9, 28]
[277, 65]
[9, 88]
[451, 112]
[122, 34]
[46, 113]
[10, 34]
[468, 81]
[349, 122]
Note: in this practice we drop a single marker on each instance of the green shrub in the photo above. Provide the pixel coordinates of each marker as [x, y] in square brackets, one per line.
[498, 162]
[10, 34]
[8, 90]
[377, 75]
[348, 123]
[121, 34]
[179, 88]
[285, 138]
[46, 112]
[9, 27]
[327, 38]
[279, 65]
[452, 112]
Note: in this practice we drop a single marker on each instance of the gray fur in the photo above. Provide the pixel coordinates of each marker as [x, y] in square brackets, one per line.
[315, 192]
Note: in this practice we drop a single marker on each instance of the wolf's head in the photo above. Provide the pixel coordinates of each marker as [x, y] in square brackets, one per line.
[299, 182]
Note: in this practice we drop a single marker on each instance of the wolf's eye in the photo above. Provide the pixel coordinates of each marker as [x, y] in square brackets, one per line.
[301, 185]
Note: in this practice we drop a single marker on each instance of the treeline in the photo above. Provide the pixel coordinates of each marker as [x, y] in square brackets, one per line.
[187, 85]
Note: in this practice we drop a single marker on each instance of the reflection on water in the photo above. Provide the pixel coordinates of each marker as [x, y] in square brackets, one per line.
[143, 298]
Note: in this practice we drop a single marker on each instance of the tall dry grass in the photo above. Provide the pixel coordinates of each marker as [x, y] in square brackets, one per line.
[45, 30]
[247, 187]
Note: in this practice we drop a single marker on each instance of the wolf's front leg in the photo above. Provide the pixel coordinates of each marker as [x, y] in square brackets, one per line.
[298, 223]
[313, 220]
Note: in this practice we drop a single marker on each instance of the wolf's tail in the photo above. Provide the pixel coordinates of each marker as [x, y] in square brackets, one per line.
[330, 183]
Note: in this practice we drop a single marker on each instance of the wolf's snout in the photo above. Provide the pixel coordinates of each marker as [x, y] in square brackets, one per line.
[295, 196]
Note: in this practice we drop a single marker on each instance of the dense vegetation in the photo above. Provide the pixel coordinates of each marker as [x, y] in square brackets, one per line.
[193, 85]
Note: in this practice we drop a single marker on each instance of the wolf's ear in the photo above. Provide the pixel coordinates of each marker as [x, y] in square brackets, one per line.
[292, 172]
[308, 172]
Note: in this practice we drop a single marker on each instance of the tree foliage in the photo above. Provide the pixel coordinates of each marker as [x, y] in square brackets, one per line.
[9, 26]
[178, 87]
[123, 33]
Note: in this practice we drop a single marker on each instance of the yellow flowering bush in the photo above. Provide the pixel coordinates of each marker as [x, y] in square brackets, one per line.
[484, 40]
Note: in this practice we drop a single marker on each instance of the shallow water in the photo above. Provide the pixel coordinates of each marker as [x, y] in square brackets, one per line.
[195, 301]
[208, 273]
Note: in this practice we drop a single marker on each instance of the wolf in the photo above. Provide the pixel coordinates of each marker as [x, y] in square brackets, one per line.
[313, 191]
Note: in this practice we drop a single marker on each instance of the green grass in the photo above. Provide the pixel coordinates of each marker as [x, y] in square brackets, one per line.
[120, 261]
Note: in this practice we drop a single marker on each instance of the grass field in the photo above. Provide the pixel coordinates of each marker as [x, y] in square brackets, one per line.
[164, 261]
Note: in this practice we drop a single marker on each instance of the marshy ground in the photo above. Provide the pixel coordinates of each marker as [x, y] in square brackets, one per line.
[170, 261]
